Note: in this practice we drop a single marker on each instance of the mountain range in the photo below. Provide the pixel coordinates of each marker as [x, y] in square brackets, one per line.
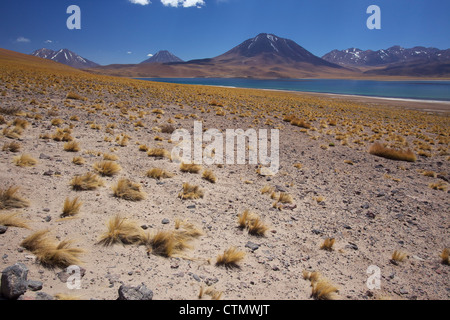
[270, 56]
[66, 57]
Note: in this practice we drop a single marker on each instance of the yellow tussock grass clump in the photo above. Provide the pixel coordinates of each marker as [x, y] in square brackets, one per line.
[12, 220]
[323, 290]
[12, 147]
[253, 223]
[122, 231]
[328, 244]
[158, 153]
[72, 146]
[190, 168]
[398, 256]
[78, 161]
[50, 253]
[71, 207]
[158, 174]
[445, 256]
[312, 276]
[25, 160]
[230, 258]
[89, 181]
[128, 190]
[380, 150]
[10, 200]
[191, 192]
[209, 175]
[107, 168]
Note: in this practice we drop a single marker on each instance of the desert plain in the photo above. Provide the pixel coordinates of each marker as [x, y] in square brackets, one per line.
[333, 214]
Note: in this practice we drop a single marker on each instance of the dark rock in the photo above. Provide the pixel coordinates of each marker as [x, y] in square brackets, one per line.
[48, 219]
[346, 226]
[252, 246]
[14, 281]
[196, 277]
[48, 173]
[192, 206]
[352, 246]
[165, 221]
[3, 229]
[35, 285]
[44, 156]
[365, 206]
[144, 227]
[68, 272]
[140, 292]
[315, 231]
[211, 281]
[44, 296]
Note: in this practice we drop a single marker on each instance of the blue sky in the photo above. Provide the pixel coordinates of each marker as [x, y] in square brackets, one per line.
[120, 31]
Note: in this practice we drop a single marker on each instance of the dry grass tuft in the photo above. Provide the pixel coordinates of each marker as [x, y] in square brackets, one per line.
[128, 190]
[230, 258]
[440, 185]
[71, 207]
[110, 157]
[380, 150]
[10, 200]
[159, 174]
[253, 223]
[25, 160]
[445, 256]
[398, 256]
[78, 161]
[323, 290]
[312, 276]
[72, 146]
[12, 147]
[107, 168]
[328, 244]
[190, 168]
[267, 189]
[209, 175]
[75, 96]
[285, 198]
[51, 254]
[90, 181]
[123, 231]
[12, 220]
[158, 153]
[191, 192]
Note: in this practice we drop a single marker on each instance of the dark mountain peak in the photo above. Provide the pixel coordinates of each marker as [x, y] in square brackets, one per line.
[163, 56]
[65, 56]
[272, 49]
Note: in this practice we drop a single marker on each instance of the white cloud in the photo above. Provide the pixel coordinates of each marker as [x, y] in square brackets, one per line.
[23, 40]
[129, 52]
[141, 2]
[150, 55]
[48, 41]
[183, 3]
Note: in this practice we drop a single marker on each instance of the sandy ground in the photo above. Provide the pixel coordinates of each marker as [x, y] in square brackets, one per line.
[371, 207]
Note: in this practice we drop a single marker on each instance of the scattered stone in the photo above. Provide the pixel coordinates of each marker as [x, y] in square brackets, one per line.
[192, 206]
[68, 272]
[140, 292]
[144, 227]
[48, 173]
[252, 246]
[365, 206]
[346, 226]
[352, 246]
[165, 221]
[44, 296]
[211, 281]
[3, 229]
[196, 277]
[44, 157]
[14, 281]
[34, 285]
[315, 231]
[48, 219]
